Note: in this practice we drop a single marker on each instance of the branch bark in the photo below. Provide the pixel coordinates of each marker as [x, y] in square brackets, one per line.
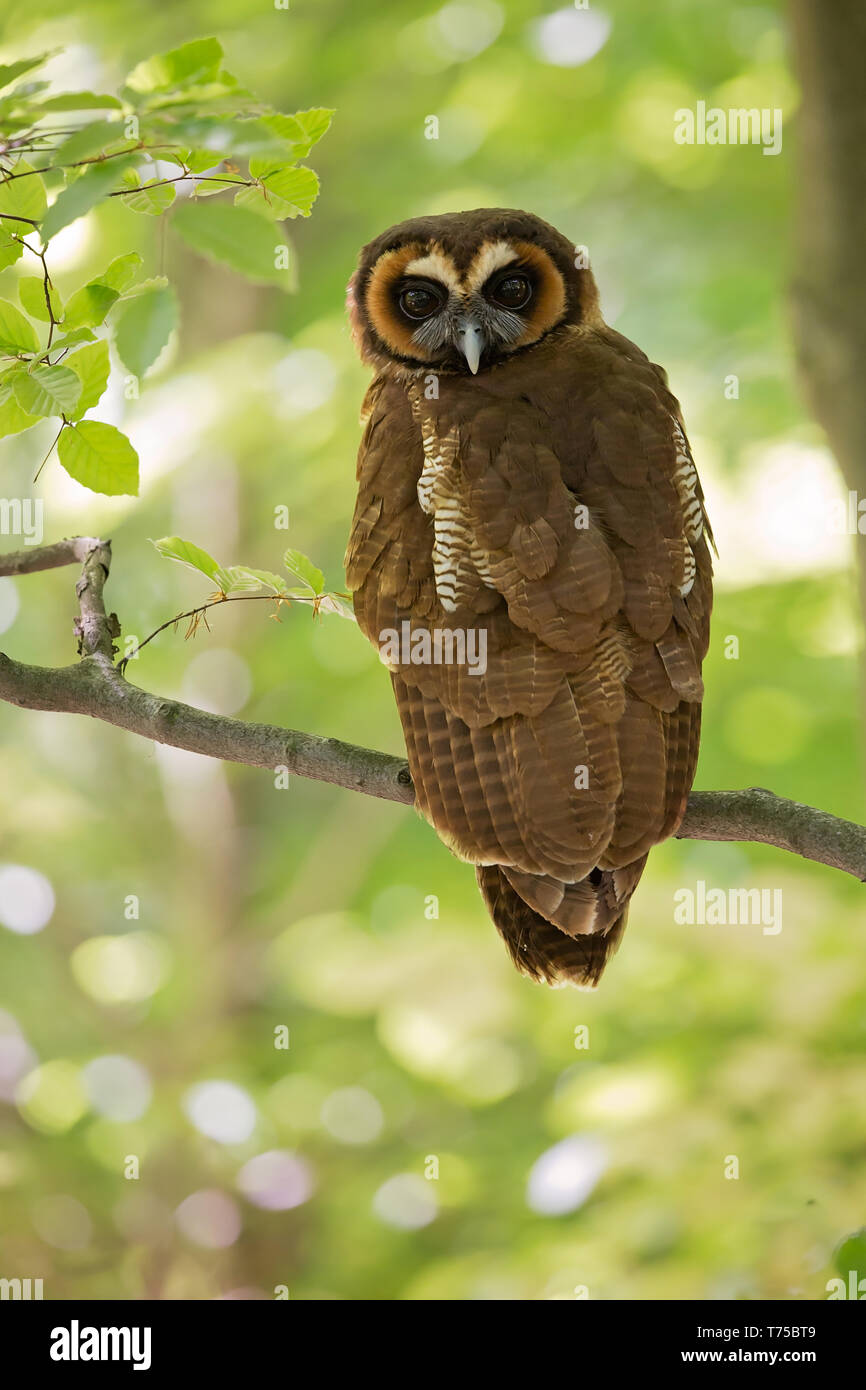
[93, 686]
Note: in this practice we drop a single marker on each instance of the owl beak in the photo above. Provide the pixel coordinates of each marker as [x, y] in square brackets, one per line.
[471, 342]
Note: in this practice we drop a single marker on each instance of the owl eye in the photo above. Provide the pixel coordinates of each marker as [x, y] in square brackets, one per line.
[421, 301]
[511, 292]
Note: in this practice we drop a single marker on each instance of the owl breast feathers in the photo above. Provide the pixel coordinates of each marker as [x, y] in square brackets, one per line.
[529, 554]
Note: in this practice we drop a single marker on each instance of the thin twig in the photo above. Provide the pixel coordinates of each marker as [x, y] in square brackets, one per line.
[199, 178]
[51, 449]
[140, 147]
[202, 608]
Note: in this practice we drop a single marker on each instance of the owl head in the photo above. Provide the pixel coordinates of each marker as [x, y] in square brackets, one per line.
[465, 291]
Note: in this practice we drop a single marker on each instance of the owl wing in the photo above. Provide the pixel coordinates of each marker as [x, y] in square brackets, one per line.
[568, 536]
[388, 560]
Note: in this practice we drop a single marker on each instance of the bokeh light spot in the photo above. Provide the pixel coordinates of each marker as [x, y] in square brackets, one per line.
[120, 969]
[63, 1222]
[17, 1057]
[353, 1116]
[118, 1087]
[464, 30]
[51, 1098]
[26, 899]
[568, 38]
[221, 1110]
[276, 1180]
[304, 380]
[209, 1218]
[405, 1201]
[485, 1070]
[565, 1175]
[217, 680]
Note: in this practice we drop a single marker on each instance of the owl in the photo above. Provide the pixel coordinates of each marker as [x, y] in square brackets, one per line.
[529, 554]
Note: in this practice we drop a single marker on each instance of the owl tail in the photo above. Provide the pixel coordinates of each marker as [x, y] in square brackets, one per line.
[561, 933]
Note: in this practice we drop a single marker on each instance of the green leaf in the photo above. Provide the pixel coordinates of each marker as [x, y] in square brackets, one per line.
[22, 194]
[263, 204]
[330, 603]
[152, 198]
[233, 236]
[120, 274]
[9, 71]
[10, 251]
[315, 121]
[206, 188]
[297, 188]
[197, 109]
[13, 419]
[31, 292]
[77, 199]
[198, 61]
[17, 333]
[20, 96]
[266, 164]
[80, 101]
[191, 555]
[89, 140]
[100, 457]
[202, 161]
[303, 568]
[89, 305]
[302, 130]
[7, 382]
[91, 365]
[47, 390]
[143, 326]
[157, 282]
[242, 579]
[251, 139]
[78, 335]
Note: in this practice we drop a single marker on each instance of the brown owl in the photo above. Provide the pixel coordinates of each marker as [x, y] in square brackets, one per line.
[529, 553]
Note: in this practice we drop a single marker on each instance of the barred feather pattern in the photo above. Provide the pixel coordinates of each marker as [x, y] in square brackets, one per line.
[553, 505]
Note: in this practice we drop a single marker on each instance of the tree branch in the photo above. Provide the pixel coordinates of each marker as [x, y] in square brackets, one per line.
[759, 815]
[95, 687]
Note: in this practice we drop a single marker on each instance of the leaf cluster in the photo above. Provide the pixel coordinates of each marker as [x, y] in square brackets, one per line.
[182, 137]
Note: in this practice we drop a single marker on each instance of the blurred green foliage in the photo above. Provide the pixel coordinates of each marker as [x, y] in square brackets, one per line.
[199, 908]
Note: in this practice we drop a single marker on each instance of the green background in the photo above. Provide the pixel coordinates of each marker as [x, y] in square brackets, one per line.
[411, 1038]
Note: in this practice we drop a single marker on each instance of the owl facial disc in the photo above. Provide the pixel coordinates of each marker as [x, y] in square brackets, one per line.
[460, 293]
